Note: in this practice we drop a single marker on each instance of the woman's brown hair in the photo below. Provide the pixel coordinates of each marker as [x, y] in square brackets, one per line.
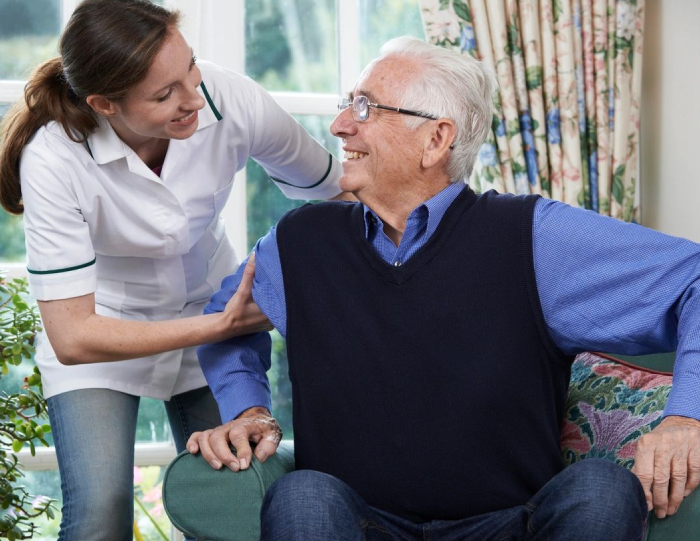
[106, 48]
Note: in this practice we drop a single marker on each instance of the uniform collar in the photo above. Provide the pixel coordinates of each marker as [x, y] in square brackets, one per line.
[104, 145]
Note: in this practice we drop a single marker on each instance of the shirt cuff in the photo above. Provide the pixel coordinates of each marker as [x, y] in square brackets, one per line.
[326, 187]
[684, 399]
[242, 396]
[63, 285]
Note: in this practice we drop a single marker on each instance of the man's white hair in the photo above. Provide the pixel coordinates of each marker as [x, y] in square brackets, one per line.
[452, 85]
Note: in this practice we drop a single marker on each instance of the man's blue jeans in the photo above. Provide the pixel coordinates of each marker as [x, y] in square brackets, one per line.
[94, 432]
[592, 500]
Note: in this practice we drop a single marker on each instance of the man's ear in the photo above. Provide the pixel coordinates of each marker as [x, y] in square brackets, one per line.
[439, 139]
[102, 106]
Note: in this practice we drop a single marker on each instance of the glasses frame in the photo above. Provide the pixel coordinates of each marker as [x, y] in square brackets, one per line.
[344, 103]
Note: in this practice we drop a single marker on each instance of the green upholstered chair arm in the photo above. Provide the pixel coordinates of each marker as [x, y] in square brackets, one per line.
[683, 526]
[220, 505]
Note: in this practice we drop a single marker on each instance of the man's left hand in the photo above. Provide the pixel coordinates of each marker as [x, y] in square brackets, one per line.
[667, 463]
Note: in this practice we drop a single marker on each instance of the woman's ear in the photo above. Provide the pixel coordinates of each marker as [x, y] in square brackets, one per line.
[102, 106]
[439, 141]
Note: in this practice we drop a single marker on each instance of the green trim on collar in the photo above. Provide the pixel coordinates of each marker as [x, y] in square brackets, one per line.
[217, 114]
[328, 171]
[30, 271]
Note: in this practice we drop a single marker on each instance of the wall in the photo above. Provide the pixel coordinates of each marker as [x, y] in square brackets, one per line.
[670, 146]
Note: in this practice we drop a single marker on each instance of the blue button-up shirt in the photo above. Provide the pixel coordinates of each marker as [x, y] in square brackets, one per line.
[604, 285]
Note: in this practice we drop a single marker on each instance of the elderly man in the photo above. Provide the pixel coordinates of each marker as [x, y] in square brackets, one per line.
[430, 334]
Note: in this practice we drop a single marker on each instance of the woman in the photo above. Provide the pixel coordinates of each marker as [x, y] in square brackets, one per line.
[128, 150]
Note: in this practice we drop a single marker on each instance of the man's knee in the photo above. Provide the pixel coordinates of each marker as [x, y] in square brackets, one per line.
[312, 506]
[605, 486]
[304, 491]
[592, 499]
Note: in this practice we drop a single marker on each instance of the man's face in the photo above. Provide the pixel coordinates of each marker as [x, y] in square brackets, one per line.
[381, 152]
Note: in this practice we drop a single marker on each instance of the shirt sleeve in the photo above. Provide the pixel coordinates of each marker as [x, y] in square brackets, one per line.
[300, 166]
[236, 368]
[60, 255]
[615, 287]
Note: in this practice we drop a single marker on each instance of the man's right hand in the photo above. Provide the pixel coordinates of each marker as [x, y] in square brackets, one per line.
[254, 425]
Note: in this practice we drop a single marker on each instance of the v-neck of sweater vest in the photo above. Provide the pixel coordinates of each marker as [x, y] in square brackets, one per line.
[425, 253]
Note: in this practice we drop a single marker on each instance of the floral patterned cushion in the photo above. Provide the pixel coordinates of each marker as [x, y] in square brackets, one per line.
[611, 404]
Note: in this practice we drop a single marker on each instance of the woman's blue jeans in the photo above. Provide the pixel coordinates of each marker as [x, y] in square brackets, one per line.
[592, 500]
[94, 431]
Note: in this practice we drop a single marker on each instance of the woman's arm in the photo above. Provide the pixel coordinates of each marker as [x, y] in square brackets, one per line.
[78, 335]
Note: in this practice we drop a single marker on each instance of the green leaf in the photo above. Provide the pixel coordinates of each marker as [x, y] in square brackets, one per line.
[558, 10]
[50, 513]
[618, 184]
[533, 76]
[46, 428]
[462, 10]
[17, 446]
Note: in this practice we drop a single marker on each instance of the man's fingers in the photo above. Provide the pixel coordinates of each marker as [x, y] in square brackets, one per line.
[219, 446]
[693, 471]
[192, 445]
[240, 440]
[644, 469]
[660, 487]
[207, 452]
[679, 477]
[266, 448]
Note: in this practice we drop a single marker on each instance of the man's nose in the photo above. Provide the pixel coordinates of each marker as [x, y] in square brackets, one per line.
[344, 123]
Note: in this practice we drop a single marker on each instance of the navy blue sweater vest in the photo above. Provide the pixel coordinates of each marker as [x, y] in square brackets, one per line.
[432, 389]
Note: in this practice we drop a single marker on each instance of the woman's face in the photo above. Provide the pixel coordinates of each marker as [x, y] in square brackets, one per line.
[164, 105]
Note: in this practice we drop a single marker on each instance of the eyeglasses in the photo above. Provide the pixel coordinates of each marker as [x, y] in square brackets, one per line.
[361, 105]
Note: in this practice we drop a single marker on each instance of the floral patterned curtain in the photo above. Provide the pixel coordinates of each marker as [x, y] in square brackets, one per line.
[566, 121]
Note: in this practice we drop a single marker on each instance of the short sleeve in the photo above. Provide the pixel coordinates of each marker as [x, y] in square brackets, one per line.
[60, 255]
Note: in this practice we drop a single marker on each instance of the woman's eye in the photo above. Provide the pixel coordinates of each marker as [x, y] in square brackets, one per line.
[164, 98]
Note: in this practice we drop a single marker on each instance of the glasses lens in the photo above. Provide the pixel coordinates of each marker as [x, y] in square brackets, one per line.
[360, 106]
[343, 103]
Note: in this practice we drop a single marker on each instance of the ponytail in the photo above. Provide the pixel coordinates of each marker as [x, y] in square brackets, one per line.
[47, 97]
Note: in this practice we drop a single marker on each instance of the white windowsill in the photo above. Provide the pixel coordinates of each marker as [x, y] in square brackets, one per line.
[146, 454]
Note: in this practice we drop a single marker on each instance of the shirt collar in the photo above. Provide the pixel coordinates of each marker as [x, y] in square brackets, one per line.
[105, 145]
[429, 213]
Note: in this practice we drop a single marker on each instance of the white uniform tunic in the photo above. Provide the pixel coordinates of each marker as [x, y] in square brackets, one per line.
[97, 219]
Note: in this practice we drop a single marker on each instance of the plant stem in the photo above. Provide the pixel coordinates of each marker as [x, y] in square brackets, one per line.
[153, 521]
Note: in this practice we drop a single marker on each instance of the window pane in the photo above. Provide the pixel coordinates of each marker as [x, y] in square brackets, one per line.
[11, 238]
[28, 35]
[152, 425]
[266, 205]
[292, 44]
[381, 20]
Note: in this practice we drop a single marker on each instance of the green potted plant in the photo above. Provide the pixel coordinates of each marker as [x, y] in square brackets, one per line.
[21, 412]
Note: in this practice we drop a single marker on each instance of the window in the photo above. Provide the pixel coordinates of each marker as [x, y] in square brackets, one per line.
[306, 52]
